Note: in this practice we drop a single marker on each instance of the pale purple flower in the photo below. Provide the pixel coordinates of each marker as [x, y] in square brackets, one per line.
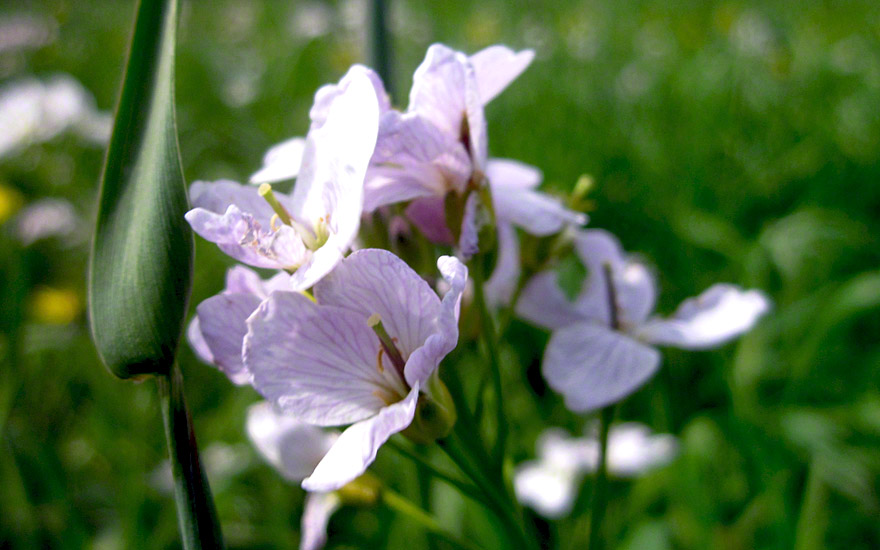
[589, 362]
[48, 218]
[295, 448]
[217, 330]
[439, 146]
[550, 483]
[308, 232]
[323, 362]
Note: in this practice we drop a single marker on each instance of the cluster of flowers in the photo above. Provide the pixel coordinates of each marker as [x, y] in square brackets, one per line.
[335, 339]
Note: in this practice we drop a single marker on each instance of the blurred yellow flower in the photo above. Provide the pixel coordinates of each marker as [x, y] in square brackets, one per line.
[10, 201]
[54, 306]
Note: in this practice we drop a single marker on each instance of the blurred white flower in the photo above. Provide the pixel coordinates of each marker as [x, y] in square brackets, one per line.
[550, 483]
[32, 111]
[47, 218]
[26, 32]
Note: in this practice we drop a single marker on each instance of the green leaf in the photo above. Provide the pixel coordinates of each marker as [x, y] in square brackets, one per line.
[141, 264]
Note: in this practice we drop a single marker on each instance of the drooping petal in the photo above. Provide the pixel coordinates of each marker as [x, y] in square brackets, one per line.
[633, 449]
[242, 280]
[538, 213]
[222, 322]
[425, 359]
[291, 446]
[281, 162]
[319, 363]
[593, 366]
[634, 285]
[238, 220]
[318, 508]
[356, 448]
[549, 491]
[716, 316]
[372, 281]
[501, 286]
[428, 214]
[496, 67]
[543, 303]
[512, 174]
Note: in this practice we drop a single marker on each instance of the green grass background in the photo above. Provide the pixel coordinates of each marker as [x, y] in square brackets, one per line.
[730, 141]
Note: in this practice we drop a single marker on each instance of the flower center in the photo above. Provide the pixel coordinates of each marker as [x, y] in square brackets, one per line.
[313, 238]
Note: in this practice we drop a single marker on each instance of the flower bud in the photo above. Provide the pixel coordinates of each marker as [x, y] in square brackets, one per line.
[435, 414]
[362, 491]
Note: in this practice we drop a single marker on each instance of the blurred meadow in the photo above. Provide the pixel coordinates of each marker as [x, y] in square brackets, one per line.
[727, 141]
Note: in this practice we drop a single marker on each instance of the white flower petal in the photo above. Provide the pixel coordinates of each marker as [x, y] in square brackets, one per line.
[281, 162]
[549, 491]
[538, 213]
[316, 362]
[318, 508]
[716, 316]
[593, 366]
[356, 448]
[511, 173]
[291, 446]
[496, 67]
[633, 449]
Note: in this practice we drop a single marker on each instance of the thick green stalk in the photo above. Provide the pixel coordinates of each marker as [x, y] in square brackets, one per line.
[196, 515]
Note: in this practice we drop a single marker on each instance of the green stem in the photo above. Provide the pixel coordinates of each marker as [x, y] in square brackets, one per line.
[467, 489]
[497, 502]
[381, 46]
[813, 519]
[196, 514]
[406, 508]
[491, 341]
[600, 490]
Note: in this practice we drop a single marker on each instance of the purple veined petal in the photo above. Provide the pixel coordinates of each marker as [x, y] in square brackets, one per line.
[548, 490]
[197, 341]
[428, 214]
[281, 162]
[318, 507]
[291, 446]
[501, 286]
[317, 362]
[422, 363]
[543, 303]
[633, 449]
[496, 67]
[512, 174]
[356, 448]
[222, 319]
[373, 281]
[325, 95]
[438, 90]
[592, 366]
[238, 220]
[414, 158]
[469, 240]
[716, 316]
[634, 284]
[330, 186]
[537, 213]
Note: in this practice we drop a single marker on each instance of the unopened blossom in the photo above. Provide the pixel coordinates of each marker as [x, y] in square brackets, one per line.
[550, 483]
[308, 232]
[217, 330]
[601, 348]
[364, 353]
[295, 448]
